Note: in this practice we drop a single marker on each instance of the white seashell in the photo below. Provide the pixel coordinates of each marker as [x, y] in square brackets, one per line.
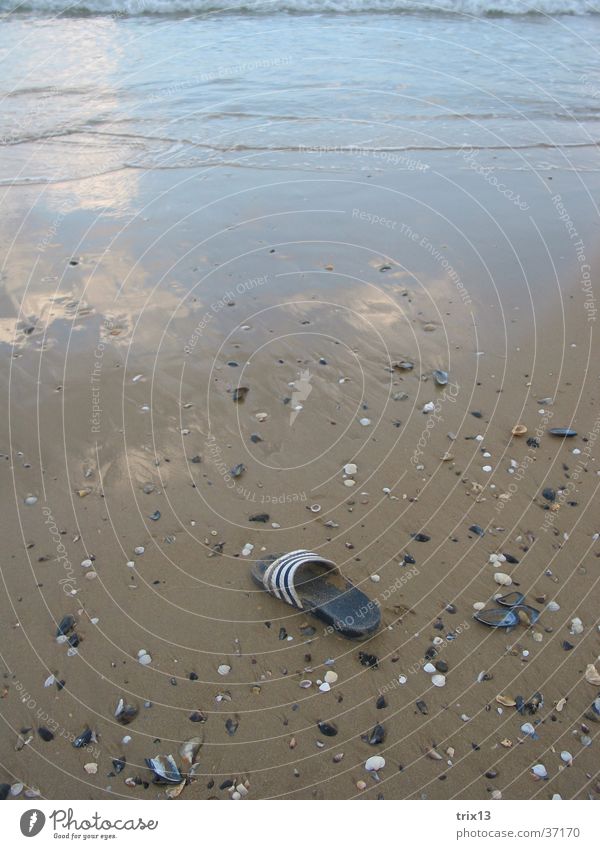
[429, 668]
[576, 626]
[31, 500]
[375, 763]
[553, 606]
[315, 508]
[16, 789]
[527, 728]
[49, 681]
[139, 550]
[349, 482]
[494, 558]
[350, 468]
[126, 739]
[503, 579]
[496, 795]
[479, 605]
[91, 575]
[224, 669]
[330, 676]
[247, 549]
[437, 641]
[261, 417]
[86, 563]
[365, 422]
[324, 687]
[375, 578]
[429, 407]
[556, 797]
[305, 684]
[402, 679]
[137, 378]
[144, 659]
[131, 564]
[91, 768]
[486, 468]
[438, 680]
[566, 757]
[540, 771]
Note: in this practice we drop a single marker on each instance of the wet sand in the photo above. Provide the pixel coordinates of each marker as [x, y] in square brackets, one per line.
[124, 333]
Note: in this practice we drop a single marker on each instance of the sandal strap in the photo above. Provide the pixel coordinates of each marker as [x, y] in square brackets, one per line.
[278, 577]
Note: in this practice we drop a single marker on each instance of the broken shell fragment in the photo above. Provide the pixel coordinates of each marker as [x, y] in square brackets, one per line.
[519, 430]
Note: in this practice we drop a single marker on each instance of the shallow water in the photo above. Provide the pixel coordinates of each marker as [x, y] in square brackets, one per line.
[90, 94]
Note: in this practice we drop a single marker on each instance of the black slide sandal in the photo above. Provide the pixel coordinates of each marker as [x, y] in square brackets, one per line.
[307, 581]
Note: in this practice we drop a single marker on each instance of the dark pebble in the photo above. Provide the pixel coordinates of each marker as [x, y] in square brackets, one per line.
[421, 537]
[422, 707]
[231, 726]
[381, 703]
[476, 529]
[259, 517]
[441, 666]
[549, 494]
[45, 734]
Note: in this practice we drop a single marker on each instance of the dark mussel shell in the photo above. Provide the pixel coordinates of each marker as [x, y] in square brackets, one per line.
[84, 739]
[65, 626]
[440, 377]
[376, 736]
[327, 728]
[238, 470]
[240, 393]
[165, 769]
[562, 431]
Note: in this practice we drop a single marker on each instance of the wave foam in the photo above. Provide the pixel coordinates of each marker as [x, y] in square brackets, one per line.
[134, 8]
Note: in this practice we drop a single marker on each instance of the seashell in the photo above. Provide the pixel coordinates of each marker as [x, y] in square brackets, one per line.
[305, 684]
[189, 749]
[17, 789]
[376, 736]
[479, 605]
[324, 687]
[374, 763]
[503, 579]
[506, 743]
[328, 729]
[239, 393]
[144, 659]
[432, 754]
[139, 550]
[440, 377]
[402, 679]
[553, 606]
[576, 626]
[350, 469]
[438, 680]
[330, 676]
[365, 422]
[315, 508]
[175, 790]
[560, 704]
[237, 471]
[585, 740]
[429, 668]
[91, 768]
[539, 771]
[506, 701]
[429, 407]
[592, 676]
[231, 726]
[519, 430]
[496, 795]
[337, 758]
[566, 757]
[224, 669]
[30, 500]
[349, 482]
[126, 713]
[361, 785]
[261, 417]
[165, 769]
[562, 431]
[84, 739]
[86, 564]
[528, 729]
